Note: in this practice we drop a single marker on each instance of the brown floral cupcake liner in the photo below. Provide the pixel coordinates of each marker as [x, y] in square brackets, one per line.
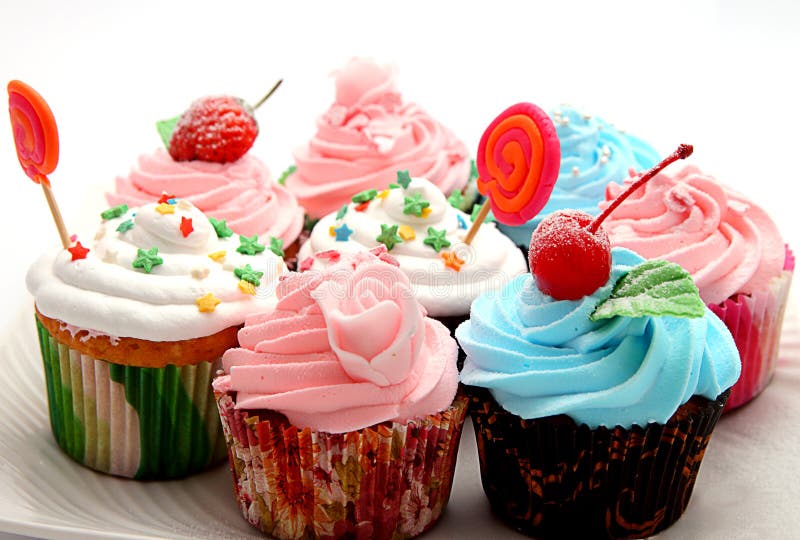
[551, 478]
[388, 481]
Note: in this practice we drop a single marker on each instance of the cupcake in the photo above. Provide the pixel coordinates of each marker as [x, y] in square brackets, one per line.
[340, 409]
[592, 415]
[234, 187]
[732, 249]
[132, 330]
[366, 136]
[593, 153]
[425, 233]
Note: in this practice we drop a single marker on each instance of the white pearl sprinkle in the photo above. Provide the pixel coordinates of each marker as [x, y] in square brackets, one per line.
[606, 151]
[603, 160]
[101, 232]
[576, 171]
[200, 273]
[110, 256]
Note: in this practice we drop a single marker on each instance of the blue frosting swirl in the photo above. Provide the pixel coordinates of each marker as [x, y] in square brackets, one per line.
[541, 357]
[593, 153]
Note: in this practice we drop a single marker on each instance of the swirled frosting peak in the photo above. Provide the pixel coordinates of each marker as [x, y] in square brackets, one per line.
[366, 136]
[241, 192]
[728, 243]
[542, 357]
[161, 272]
[345, 348]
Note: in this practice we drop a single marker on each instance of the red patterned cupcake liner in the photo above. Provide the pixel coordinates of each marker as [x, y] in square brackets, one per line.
[388, 481]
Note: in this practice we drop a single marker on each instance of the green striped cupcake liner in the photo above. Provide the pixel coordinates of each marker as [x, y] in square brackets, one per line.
[143, 423]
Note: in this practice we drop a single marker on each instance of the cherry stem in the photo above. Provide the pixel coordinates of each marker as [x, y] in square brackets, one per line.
[683, 151]
[266, 97]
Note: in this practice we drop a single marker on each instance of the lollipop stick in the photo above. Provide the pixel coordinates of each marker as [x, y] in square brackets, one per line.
[479, 219]
[51, 202]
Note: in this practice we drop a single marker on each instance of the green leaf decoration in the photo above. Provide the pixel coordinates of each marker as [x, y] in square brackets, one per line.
[286, 174]
[653, 288]
[165, 129]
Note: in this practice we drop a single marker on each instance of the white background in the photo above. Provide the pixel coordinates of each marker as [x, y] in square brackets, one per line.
[720, 75]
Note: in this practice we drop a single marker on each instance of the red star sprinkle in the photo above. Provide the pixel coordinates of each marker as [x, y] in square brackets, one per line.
[186, 226]
[306, 264]
[165, 197]
[361, 207]
[78, 251]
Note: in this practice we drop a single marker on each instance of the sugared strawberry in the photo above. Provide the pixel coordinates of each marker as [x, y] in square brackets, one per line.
[217, 128]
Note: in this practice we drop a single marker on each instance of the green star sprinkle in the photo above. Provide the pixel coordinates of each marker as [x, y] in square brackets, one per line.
[248, 274]
[250, 246]
[403, 178]
[365, 196]
[147, 259]
[436, 239]
[389, 236]
[114, 212]
[477, 208]
[222, 229]
[473, 170]
[456, 199]
[341, 213]
[286, 174]
[125, 226]
[276, 246]
[394, 186]
[415, 204]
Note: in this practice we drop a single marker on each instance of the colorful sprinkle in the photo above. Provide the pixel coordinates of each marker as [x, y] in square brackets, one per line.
[73, 237]
[286, 174]
[172, 201]
[331, 254]
[406, 233]
[248, 274]
[403, 179]
[114, 212]
[364, 196]
[276, 246]
[165, 208]
[165, 198]
[147, 259]
[186, 226]
[343, 232]
[221, 228]
[249, 246]
[247, 288]
[452, 261]
[361, 207]
[436, 239]
[462, 224]
[456, 199]
[331, 231]
[341, 213]
[394, 185]
[389, 236]
[383, 194]
[217, 256]
[306, 264]
[125, 226]
[473, 170]
[415, 204]
[78, 251]
[207, 303]
[426, 212]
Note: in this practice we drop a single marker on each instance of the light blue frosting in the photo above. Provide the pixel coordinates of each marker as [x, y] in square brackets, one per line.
[600, 153]
[541, 357]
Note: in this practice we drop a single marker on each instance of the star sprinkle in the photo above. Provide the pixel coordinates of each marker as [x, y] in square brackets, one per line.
[364, 196]
[383, 194]
[436, 239]
[462, 224]
[456, 199]
[147, 259]
[426, 212]
[186, 226]
[276, 246]
[403, 179]
[306, 264]
[165, 198]
[248, 274]
[217, 256]
[343, 232]
[415, 204]
[341, 213]
[125, 226]
[207, 303]
[331, 230]
[78, 251]
[221, 228]
[331, 255]
[473, 170]
[406, 233]
[165, 208]
[452, 261]
[247, 287]
[249, 246]
[361, 207]
[388, 236]
[114, 212]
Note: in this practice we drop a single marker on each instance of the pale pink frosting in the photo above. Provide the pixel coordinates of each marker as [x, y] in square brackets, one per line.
[345, 348]
[366, 136]
[728, 243]
[242, 192]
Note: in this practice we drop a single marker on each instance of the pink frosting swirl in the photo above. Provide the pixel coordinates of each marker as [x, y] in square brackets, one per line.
[242, 192]
[344, 349]
[366, 136]
[728, 244]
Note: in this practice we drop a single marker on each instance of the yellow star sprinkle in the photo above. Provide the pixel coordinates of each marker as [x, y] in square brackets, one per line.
[406, 233]
[383, 194]
[426, 212]
[247, 287]
[331, 231]
[217, 256]
[207, 303]
[165, 208]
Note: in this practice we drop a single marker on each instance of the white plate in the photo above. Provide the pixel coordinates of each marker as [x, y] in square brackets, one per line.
[747, 487]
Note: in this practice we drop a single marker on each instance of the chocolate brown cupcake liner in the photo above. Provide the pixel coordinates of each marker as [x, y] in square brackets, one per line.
[551, 478]
[389, 481]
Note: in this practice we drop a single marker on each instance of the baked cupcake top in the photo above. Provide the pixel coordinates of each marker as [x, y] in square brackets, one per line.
[162, 272]
[344, 348]
[366, 136]
[241, 192]
[593, 153]
[727, 242]
[541, 357]
[420, 228]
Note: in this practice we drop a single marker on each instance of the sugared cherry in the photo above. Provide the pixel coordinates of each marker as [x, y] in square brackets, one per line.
[570, 254]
